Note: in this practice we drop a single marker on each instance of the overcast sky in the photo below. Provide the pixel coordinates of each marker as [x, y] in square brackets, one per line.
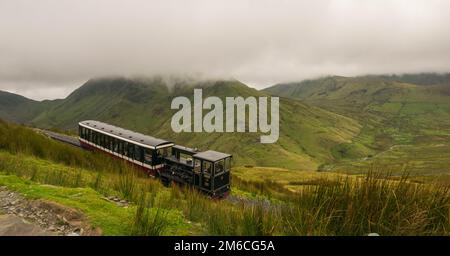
[48, 48]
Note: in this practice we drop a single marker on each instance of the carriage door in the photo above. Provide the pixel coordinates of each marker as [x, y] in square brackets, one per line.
[197, 172]
[207, 170]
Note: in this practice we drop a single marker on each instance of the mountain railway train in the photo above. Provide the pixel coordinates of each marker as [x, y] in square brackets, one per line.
[208, 171]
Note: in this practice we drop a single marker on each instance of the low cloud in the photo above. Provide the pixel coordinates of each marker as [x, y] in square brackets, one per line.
[48, 48]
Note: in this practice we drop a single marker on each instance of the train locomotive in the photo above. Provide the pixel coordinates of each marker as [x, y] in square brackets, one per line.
[207, 171]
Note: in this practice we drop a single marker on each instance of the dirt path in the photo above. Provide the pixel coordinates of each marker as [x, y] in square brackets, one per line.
[11, 225]
[21, 216]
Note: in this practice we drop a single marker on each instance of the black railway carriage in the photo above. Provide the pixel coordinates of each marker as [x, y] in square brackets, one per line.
[208, 171]
[142, 150]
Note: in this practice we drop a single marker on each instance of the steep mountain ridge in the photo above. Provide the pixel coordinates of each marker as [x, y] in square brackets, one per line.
[307, 134]
[400, 118]
[19, 109]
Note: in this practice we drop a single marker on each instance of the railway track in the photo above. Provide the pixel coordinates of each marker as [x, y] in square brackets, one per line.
[61, 137]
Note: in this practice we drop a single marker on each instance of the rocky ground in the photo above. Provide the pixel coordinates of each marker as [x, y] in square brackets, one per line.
[116, 200]
[21, 216]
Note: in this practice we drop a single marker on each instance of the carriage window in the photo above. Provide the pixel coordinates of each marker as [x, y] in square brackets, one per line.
[207, 167]
[148, 156]
[219, 166]
[120, 143]
[115, 145]
[138, 153]
[89, 135]
[166, 151]
[227, 164]
[185, 158]
[111, 143]
[162, 152]
[197, 166]
[107, 143]
[125, 148]
[130, 150]
[100, 139]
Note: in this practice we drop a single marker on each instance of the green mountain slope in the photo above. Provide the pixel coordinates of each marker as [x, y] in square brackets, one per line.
[19, 109]
[308, 135]
[16, 108]
[393, 110]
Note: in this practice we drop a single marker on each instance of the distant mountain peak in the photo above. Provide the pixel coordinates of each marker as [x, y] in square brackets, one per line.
[6, 94]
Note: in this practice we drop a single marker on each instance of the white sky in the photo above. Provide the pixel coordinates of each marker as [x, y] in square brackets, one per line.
[48, 48]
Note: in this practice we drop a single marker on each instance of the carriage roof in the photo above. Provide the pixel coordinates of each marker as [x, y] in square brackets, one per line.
[186, 149]
[211, 155]
[127, 135]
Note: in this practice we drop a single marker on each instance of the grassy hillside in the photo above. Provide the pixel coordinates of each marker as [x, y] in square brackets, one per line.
[403, 123]
[327, 205]
[307, 134]
[19, 109]
[333, 123]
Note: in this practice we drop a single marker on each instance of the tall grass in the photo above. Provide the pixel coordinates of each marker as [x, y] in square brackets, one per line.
[126, 184]
[108, 172]
[266, 188]
[17, 139]
[148, 221]
[260, 219]
[341, 206]
[336, 206]
[370, 204]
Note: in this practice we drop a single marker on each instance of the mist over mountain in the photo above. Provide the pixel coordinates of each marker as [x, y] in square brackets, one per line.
[307, 134]
[258, 42]
[324, 123]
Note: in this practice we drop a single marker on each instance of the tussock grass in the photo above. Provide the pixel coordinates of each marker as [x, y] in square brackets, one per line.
[20, 140]
[370, 204]
[337, 205]
[148, 221]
